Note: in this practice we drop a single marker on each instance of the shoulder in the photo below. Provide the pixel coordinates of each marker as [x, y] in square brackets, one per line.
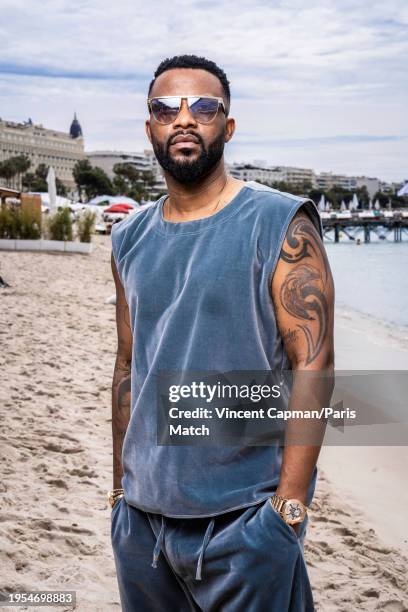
[261, 191]
[131, 224]
[282, 207]
[124, 233]
[134, 218]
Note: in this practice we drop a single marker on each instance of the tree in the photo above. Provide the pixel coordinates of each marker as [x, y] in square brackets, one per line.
[128, 172]
[93, 180]
[22, 163]
[363, 196]
[12, 167]
[8, 170]
[37, 181]
[132, 182]
[385, 198]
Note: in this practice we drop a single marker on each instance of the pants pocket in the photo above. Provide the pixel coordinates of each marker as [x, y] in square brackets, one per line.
[114, 513]
[279, 522]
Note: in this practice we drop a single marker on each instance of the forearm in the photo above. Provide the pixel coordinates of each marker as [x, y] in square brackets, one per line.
[121, 387]
[303, 437]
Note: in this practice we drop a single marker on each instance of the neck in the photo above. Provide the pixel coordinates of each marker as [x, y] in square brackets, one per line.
[190, 198]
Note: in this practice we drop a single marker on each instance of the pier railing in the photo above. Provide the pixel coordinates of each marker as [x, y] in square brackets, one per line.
[381, 223]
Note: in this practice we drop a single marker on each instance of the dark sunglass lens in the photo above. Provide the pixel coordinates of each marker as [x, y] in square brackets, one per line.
[164, 111]
[204, 109]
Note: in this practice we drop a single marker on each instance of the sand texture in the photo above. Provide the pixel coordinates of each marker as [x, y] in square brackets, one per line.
[58, 342]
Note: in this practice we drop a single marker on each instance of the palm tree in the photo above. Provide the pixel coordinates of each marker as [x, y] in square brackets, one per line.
[22, 164]
[8, 170]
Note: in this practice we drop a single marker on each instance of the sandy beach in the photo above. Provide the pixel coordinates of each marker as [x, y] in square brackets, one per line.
[58, 341]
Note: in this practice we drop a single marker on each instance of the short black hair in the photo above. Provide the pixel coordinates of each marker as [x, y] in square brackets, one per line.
[193, 61]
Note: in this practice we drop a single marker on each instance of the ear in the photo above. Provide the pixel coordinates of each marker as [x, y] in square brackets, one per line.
[148, 130]
[229, 129]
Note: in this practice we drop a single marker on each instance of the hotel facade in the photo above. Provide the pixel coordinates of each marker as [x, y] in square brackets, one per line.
[43, 146]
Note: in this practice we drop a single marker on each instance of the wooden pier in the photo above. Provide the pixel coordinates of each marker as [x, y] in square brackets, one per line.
[382, 226]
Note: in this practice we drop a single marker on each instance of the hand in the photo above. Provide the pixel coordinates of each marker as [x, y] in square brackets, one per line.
[296, 528]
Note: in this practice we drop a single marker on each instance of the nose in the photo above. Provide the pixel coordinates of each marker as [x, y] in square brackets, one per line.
[185, 117]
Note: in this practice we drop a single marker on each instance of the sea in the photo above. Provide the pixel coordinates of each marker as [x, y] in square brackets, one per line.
[372, 278]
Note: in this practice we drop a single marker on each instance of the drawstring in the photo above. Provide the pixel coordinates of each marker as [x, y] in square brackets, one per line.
[206, 539]
[159, 543]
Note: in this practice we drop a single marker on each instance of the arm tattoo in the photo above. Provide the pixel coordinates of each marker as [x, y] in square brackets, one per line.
[301, 297]
[290, 335]
[302, 291]
[125, 316]
[121, 396]
[124, 389]
[301, 237]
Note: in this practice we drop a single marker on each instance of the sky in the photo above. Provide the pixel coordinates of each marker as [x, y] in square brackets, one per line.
[317, 84]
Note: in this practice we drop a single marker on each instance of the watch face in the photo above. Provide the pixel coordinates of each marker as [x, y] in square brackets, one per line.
[293, 512]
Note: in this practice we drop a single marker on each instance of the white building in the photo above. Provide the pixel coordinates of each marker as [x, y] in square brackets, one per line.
[372, 184]
[327, 180]
[272, 174]
[142, 161]
[43, 146]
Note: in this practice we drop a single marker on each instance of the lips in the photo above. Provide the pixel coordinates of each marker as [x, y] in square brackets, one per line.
[184, 138]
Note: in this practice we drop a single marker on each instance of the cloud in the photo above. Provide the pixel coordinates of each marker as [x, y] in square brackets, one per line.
[327, 140]
[328, 74]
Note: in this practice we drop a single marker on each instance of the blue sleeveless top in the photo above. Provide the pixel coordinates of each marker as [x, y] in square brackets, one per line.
[199, 299]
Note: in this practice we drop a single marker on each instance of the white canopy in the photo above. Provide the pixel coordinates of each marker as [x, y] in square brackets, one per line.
[113, 200]
[45, 199]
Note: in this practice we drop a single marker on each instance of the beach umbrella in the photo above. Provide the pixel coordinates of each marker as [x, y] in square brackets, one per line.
[403, 191]
[343, 206]
[370, 204]
[327, 206]
[52, 188]
[119, 208]
[321, 205]
[123, 200]
[377, 205]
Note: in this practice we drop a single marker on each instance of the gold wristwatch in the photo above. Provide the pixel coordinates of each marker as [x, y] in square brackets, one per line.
[291, 510]
[114, 496]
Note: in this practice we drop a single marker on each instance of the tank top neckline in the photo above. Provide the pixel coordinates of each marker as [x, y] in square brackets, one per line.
[197, 225]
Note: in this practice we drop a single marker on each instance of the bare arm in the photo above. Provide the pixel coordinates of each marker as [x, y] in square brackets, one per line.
[303, 296]
[121, 378]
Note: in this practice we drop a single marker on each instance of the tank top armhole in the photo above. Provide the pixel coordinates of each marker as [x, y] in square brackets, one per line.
[310, 208]
[117, 235]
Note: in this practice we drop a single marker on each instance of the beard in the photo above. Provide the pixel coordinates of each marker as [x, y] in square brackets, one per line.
[188, 171]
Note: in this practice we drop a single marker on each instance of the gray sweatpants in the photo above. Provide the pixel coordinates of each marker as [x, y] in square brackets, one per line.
[248, 560]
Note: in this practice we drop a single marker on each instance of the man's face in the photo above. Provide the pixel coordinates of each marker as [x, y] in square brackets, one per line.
[188, 161]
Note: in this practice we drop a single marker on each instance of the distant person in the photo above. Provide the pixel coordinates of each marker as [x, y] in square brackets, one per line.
[218, 275]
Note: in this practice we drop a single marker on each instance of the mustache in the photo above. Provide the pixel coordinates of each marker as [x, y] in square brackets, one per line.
[183, 133]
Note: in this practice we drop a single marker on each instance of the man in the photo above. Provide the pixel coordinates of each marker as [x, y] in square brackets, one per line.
[220, 275]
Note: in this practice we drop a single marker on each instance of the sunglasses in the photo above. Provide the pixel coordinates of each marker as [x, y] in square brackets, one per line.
[203, 108]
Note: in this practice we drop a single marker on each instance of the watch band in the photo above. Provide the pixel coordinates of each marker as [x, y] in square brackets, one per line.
[278, 503]
[114, 496]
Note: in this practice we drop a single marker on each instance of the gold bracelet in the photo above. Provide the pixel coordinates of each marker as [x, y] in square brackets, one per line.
[114, 495]
[116, 499]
